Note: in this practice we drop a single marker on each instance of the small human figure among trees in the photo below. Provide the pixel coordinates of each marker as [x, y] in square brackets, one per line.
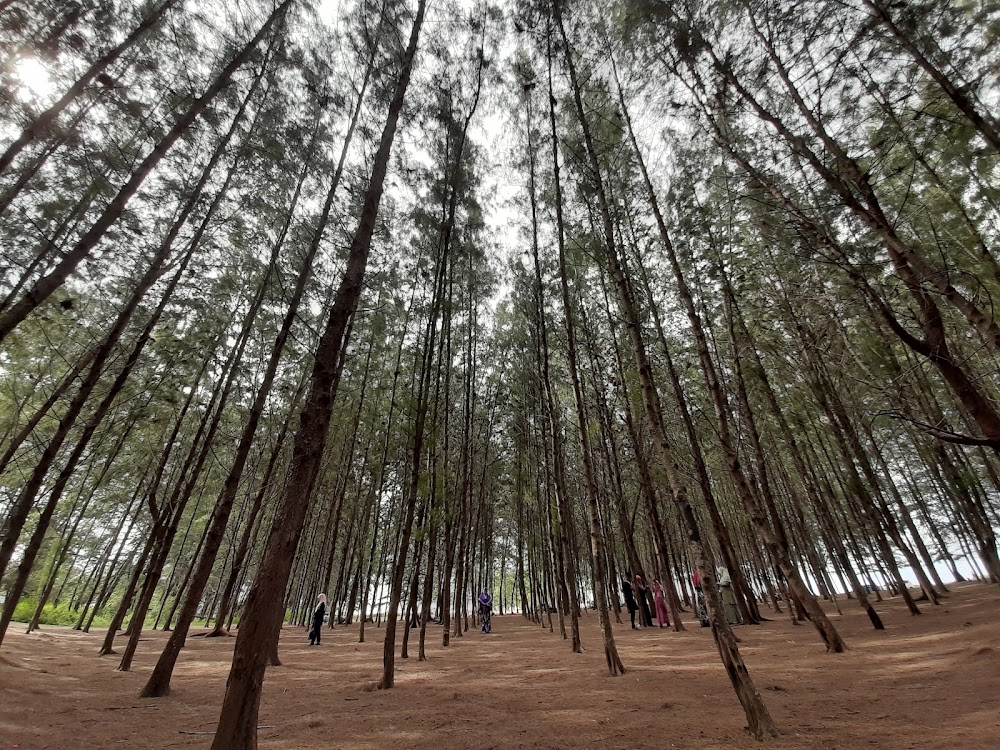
[629, 598]
[661, 607]
[728, 598]
[486, 612]
[641, 590]
[319, 615]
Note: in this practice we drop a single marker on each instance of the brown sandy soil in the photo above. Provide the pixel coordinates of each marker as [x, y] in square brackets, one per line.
[926, 682]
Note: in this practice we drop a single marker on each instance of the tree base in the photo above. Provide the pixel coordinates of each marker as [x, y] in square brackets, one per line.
[214, 634]
[156, 691]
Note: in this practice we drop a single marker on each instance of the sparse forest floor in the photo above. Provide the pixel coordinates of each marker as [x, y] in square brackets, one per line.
[926, 682]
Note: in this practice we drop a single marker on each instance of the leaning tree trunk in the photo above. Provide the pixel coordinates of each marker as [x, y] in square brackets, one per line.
[159, 681]
[777, 549]
[958, 93]
[614, 662]
[47, 284]
[428, 589]
[68, 535]
[567, 564]
[262, 615]
[109, 561]
[250, 525]
[101, 354]
[26, 498]
[43, 121]
[745, 601]
[646, 486]
[758, 717]
[29, 427]
[160, 515]
[423, 402]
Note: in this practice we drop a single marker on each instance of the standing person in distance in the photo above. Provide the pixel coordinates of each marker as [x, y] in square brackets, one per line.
[661, 607]
[629, 598]
[640, 591]
[728, 597]
[486, 612]
[319, 614]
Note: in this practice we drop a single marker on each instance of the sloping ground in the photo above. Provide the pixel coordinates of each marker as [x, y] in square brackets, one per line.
[926, 682]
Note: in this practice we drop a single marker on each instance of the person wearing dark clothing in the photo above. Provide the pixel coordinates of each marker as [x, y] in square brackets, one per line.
[640, 590]
[629, 599]
[486, 612]
[319, 614]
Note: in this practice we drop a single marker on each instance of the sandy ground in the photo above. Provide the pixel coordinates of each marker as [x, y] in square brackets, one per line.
[925, 682]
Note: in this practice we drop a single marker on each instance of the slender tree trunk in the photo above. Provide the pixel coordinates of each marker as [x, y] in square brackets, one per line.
[43, 121]
[262, 616]
[25, 432]
[772, 538]
[46, 285]
[957, 93]
[158, 684]
[758, 718]
[67, 540]
[614, 662]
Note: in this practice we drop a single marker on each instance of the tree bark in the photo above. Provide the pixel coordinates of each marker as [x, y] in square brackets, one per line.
[759, 720]
[158, 684]
[262, 616]
[600, 578]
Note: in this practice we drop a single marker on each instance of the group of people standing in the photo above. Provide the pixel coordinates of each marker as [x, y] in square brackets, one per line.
[629, 588]
[634, 590]
[633, 586]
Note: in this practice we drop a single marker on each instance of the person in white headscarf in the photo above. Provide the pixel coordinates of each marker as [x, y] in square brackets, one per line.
[319, 614]
[728, 597]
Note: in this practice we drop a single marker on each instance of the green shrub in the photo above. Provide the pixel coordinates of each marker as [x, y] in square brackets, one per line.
[53, 614]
